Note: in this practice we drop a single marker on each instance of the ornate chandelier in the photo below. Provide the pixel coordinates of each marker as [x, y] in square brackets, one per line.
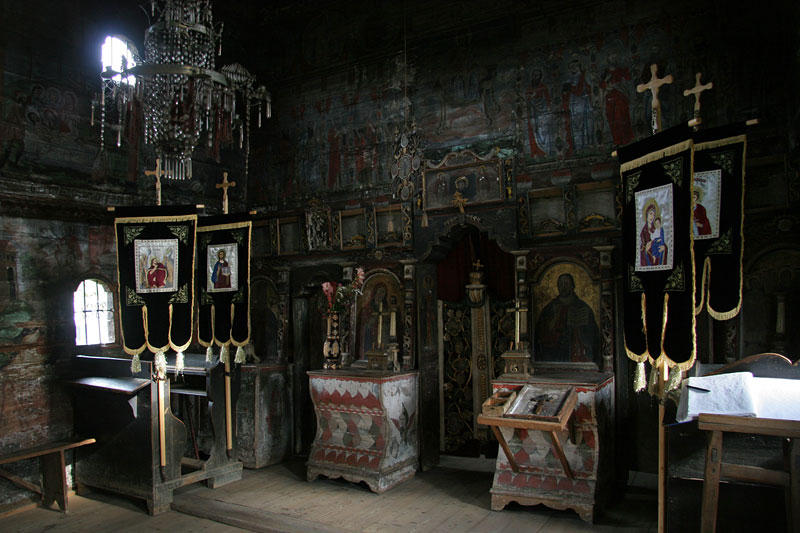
[174, 94]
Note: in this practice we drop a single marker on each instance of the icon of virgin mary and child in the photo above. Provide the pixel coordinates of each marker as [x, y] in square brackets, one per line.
[652, 245]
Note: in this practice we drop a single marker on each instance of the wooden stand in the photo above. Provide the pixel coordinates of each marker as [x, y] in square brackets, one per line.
[551, 426]
[123, 413]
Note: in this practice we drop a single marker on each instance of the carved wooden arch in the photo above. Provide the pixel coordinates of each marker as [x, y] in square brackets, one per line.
[455, 227]
[361, 307]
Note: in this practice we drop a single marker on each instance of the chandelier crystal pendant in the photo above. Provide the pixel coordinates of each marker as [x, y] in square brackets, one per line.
[177, 91]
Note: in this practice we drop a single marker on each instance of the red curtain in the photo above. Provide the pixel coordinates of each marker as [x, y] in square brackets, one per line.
[453, 271]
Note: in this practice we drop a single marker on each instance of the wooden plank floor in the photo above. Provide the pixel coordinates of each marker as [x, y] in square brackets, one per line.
[279, 498]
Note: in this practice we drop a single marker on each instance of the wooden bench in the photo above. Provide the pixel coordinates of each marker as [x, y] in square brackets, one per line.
[53, 469]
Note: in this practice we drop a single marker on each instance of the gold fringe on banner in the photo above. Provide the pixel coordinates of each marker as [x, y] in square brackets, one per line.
[644, 356]
[717, 143]
[172, 345]
[706, 269]
[153, 349]
[207, 344]
[655, 156]
[731, 313]
[135, 352]
[147, 220]
[247, 340]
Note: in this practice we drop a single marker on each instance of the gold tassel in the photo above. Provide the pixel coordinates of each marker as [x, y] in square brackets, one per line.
[179, 363]
[652, 385]
[639, 379]
[224, 354]
[160, 364]
[136, 364]
[675, 376]
[209, 354]
[240, 355]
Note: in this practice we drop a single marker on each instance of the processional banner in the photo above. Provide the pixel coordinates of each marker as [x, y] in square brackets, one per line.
[718, 218]
[155, 273]
[224, 285]
[659, 301]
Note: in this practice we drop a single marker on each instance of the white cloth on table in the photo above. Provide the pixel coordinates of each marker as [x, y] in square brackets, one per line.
[723, 394]
[739, 394]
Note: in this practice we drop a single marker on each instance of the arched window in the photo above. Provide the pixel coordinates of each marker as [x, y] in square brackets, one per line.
[118, 54]
[93, 305]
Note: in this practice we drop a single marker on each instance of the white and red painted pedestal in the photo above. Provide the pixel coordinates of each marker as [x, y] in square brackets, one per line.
[589, 449]
[366, 426]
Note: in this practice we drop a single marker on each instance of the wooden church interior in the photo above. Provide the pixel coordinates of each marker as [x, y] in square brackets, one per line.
[405, 236]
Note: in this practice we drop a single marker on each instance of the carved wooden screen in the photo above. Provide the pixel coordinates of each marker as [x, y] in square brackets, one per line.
[456, 379]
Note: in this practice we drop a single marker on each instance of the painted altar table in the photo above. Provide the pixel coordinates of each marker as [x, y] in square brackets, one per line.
[366, 426]
[560, 465]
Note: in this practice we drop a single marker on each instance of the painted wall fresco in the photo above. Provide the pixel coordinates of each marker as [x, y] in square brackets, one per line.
[553, 93]
[43, 262]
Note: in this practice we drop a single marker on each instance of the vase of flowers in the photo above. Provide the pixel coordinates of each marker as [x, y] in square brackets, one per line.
[339, 297]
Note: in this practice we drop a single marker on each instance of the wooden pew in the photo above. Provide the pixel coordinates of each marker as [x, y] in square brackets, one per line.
[53, 468]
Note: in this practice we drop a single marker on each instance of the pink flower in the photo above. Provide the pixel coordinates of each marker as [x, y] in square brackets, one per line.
[329, 288]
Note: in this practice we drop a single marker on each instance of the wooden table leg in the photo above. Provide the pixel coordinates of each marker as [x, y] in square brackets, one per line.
[54, 479]
[559, 451]
[793, 492]
[711, 483]
[662, 470]
[503, 444]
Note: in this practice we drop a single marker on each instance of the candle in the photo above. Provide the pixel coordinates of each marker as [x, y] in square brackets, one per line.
[392, 325]
[380, 323]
